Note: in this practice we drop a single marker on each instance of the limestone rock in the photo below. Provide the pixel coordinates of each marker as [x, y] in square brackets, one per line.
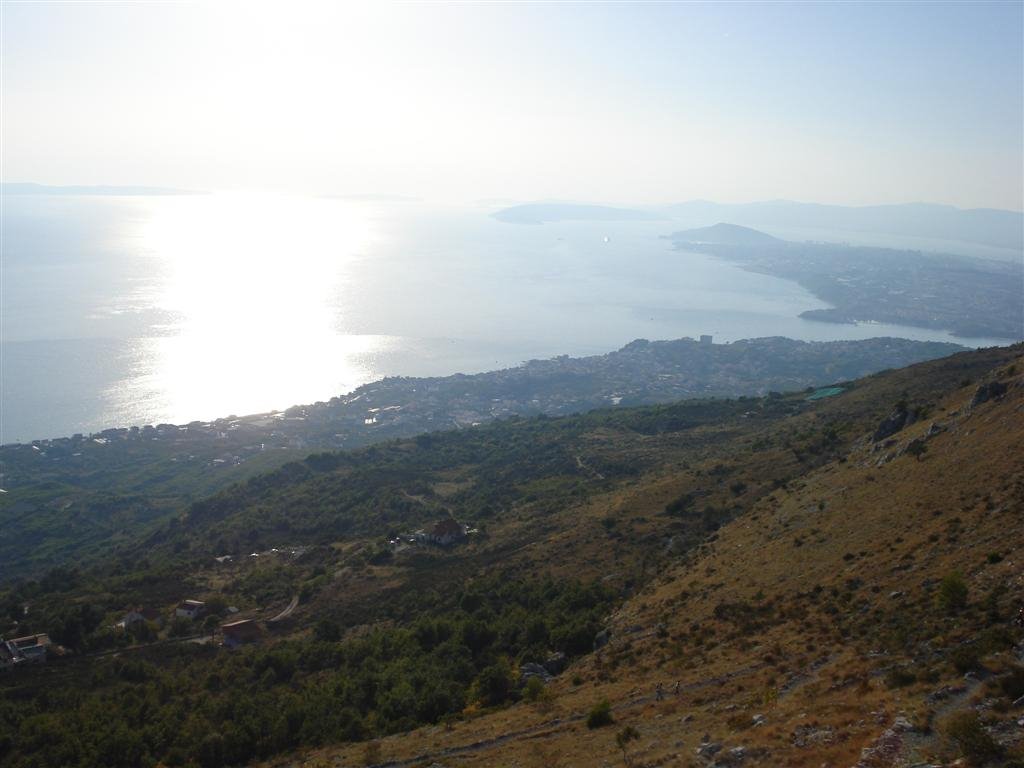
[989, 391]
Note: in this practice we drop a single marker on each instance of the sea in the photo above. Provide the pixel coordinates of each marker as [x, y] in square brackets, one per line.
[131, 310]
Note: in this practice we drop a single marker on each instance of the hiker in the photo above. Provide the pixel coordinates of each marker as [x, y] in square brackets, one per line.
[675, 689]
[659, 694]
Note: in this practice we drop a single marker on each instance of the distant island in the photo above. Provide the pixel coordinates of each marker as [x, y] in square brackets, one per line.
[969, 297]
[539, 213]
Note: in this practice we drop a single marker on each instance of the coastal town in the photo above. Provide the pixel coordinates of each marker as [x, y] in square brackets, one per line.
[64, 476]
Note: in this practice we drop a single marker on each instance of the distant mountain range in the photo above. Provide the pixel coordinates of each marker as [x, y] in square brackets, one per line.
[24, 188]
[539, 213]
[982, 226]
[986, 226]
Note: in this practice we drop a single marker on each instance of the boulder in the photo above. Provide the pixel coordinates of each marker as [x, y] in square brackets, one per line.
[728, 757]
[902, 725]
[892, 424]
[945, 693]
[532, 669]
[601, 638]
[811, 736]
[555, 663]
[989, 391]
[887, 747]
[708, 749]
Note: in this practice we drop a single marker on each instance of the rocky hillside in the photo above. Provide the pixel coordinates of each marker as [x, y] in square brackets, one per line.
[780, 580]
[860, 615]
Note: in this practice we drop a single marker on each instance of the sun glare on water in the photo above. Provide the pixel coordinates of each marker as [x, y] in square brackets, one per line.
[246, 282]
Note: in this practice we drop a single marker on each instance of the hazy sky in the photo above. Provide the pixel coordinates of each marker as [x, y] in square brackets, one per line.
[842, 103]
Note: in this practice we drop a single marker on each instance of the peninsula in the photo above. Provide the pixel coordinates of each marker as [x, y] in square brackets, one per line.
[967, 296]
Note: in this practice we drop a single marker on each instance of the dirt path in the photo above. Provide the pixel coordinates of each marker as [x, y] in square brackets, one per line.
[287, 611]
[916, 743]
[808, 675]
[590, 470]
[551, 727]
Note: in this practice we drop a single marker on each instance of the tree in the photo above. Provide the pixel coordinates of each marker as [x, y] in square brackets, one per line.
[327, 630]
[622, 739]
[494, 684]
[917, 449]
[216, 605]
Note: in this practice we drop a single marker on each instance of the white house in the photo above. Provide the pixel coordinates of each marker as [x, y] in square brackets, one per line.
[190, 609]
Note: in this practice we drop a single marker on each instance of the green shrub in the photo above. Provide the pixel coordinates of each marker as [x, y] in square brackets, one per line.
[900, 677]
[533, 689]
[966, 657]
[1012, 684]
[600, 715]
[967, 734]
[953, 591]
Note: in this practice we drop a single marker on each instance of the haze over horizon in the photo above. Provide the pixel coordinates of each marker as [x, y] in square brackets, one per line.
[839, 104]
[380, 385]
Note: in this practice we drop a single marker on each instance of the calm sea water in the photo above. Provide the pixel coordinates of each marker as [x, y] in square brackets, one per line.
[119, 311]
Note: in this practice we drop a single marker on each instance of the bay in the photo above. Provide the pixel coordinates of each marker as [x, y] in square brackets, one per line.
[121, 311]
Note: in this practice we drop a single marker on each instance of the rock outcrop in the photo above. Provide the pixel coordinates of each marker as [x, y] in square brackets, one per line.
[992, 390]
[896, 421]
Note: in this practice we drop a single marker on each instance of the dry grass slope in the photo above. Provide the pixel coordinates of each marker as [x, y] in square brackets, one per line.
[809, 631]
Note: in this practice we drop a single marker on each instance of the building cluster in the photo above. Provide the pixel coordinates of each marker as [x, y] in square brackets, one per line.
[31, 649]
[443, 533]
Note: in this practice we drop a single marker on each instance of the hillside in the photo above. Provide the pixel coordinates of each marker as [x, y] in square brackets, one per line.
[824, 627]
[76, 497]
[749, 549]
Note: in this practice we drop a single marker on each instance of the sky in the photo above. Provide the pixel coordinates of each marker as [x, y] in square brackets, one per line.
[631, 103]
